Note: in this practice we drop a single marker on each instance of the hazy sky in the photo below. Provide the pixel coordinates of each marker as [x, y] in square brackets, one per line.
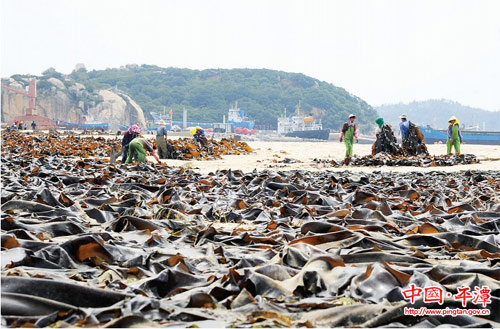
[382, 51]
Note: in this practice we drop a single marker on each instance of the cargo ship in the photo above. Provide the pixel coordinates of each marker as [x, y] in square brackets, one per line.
[301, 126]
[166, 119]
[236, 117]
[160, 119]
[469, 136]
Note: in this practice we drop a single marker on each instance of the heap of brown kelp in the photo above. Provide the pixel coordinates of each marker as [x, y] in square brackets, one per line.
[187, 149]
[86, 243]
[54, 144]
[386, 142]
[384, 159]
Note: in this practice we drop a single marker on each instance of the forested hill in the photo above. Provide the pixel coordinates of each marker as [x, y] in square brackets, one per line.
[436, 112]
[208, 94]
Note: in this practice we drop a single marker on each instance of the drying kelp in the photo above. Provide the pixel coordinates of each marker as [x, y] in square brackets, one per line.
[53, 144]
[187, 148]
[384, 159]
[86, 243]
[415, 143]
[386, 142]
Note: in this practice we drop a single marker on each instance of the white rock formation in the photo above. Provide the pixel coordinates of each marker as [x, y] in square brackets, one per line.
[56, 82]
[116, 110]
[58, 104]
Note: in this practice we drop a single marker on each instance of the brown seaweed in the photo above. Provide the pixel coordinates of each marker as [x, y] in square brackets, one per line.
[385, 159]
[53, 144]
[88, 243]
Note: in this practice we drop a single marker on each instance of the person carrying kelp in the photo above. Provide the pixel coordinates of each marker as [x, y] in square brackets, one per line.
[348, 133]
[404, 127]
[412, 139]
[132, 132]
[138, 147]
[386, 141]
[454, 135]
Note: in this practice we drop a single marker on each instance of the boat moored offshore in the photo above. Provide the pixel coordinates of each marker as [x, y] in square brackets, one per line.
[236, 117]
[301, 126]
[469, 136]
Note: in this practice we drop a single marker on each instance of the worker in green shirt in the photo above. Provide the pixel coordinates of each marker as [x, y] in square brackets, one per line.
[454, 135]
[348, 133]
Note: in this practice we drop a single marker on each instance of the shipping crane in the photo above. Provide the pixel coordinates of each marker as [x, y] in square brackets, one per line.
[31, 94]
[31, 113]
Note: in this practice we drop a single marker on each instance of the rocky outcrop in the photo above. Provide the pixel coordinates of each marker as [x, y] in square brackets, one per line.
[58, 106]
[73, 104]
[56, 82]
[116, 109]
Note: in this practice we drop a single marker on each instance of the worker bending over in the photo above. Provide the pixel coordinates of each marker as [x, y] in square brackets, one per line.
[138, 146]
[199, 135]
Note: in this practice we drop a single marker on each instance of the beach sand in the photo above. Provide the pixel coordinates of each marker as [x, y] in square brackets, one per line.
[267, 155]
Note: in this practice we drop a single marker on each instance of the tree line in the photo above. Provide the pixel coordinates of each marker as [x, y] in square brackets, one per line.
[208, 94]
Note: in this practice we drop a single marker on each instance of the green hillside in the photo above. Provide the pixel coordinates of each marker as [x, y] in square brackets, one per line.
[208, 94]
[436, 112]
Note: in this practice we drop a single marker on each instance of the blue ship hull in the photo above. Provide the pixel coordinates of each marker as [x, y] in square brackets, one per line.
[243, 124]
[193, 124]
[469, 137]
[310, 134]
[98, 126]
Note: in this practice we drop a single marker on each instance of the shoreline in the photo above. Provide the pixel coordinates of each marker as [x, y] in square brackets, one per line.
[300, 155]
[274, 155]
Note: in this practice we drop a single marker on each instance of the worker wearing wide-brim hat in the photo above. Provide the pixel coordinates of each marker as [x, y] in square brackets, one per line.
[404, 126]
[348, 133]
[197, 132]
[454, 135]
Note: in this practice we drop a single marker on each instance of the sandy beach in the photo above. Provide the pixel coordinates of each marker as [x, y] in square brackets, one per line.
[273, 155]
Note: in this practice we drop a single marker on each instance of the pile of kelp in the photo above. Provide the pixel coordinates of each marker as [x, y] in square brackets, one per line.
[386, 142]
[54, 144]
[86, 243]
[384, 159]
[187, 148]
